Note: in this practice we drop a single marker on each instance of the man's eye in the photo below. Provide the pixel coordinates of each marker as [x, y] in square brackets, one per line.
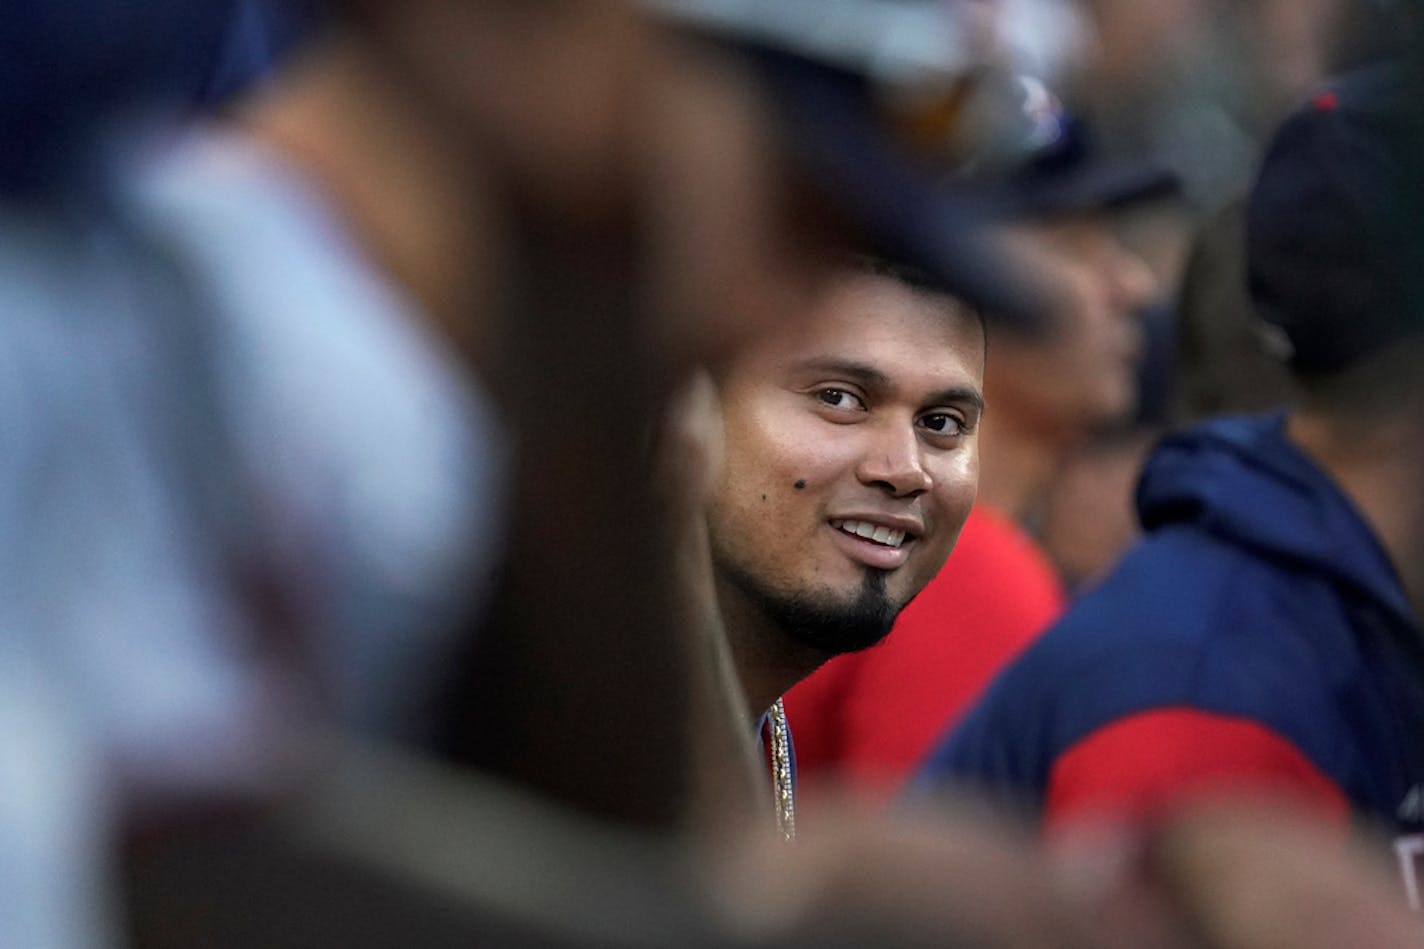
[839, 399]
[942, 423]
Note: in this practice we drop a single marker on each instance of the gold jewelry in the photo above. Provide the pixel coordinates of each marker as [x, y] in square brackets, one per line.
[781, 771]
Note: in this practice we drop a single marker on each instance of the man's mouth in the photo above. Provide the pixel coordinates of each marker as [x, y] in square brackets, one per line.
[887, 536]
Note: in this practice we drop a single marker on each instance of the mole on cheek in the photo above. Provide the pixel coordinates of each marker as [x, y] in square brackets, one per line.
[800, 483]
[763, 497]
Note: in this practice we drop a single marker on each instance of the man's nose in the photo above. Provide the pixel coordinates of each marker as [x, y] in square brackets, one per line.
[894, 461]
[1134, 285]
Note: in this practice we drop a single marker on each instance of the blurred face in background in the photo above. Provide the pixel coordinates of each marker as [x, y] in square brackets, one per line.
[1082, 374]
[850, 460]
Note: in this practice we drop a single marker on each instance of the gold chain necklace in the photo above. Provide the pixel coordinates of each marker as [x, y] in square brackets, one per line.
[781, 771]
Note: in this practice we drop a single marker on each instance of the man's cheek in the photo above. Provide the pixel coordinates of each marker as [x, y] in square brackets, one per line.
[932, 558]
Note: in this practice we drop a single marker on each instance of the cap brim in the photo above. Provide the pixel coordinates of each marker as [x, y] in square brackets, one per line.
[1093, 187]
[949, 232]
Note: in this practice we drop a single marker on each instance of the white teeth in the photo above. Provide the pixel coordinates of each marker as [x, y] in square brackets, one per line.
[881, 535]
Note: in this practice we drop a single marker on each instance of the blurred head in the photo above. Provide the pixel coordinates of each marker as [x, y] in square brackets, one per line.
[850, 460]
[1083, 372]
[1333, 242]
[1063, 204]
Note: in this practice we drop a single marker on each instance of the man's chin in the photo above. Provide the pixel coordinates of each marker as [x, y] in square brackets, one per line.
[838, 641]
[834, 624]
[854, 615]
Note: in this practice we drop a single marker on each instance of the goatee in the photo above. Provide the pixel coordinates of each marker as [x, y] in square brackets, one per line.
[819, 621]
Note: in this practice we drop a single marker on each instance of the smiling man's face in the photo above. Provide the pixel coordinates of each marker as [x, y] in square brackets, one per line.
[850, 461]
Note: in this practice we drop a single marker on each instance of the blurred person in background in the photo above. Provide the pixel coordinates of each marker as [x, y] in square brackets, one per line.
[1264, 638]
[870, 718]
[1086, 520]
[241, 484]
[381, 445]
[1222, 361]
[1198, 85]
[132, 578]
[1168, 81]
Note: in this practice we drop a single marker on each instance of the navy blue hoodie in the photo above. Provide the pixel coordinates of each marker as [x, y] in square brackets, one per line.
[1258, 604]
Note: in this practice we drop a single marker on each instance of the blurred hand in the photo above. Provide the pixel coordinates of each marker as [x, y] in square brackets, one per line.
[959, 878]
[1217, 878]
[1243, 878]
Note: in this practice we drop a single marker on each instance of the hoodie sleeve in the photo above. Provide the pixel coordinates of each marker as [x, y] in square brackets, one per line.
[1143, 764]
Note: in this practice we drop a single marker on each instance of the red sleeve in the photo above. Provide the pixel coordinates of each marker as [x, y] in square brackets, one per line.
[1141, 765]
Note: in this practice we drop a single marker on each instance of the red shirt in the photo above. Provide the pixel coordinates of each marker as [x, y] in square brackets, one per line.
[870, 718]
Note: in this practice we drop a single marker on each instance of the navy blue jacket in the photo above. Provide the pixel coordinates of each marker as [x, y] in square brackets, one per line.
[1258, 596]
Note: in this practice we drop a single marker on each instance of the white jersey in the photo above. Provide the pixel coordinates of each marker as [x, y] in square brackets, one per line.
[240, 485]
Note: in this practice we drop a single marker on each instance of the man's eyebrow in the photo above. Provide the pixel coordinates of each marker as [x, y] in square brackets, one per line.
[967, 394]
[850, 369]
[871, 377]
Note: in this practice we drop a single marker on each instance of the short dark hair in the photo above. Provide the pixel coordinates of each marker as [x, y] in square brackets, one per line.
[921, 283]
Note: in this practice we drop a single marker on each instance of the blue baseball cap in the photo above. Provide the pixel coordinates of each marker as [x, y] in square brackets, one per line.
[1334, 243]
[896, 110]
[1067, 174]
